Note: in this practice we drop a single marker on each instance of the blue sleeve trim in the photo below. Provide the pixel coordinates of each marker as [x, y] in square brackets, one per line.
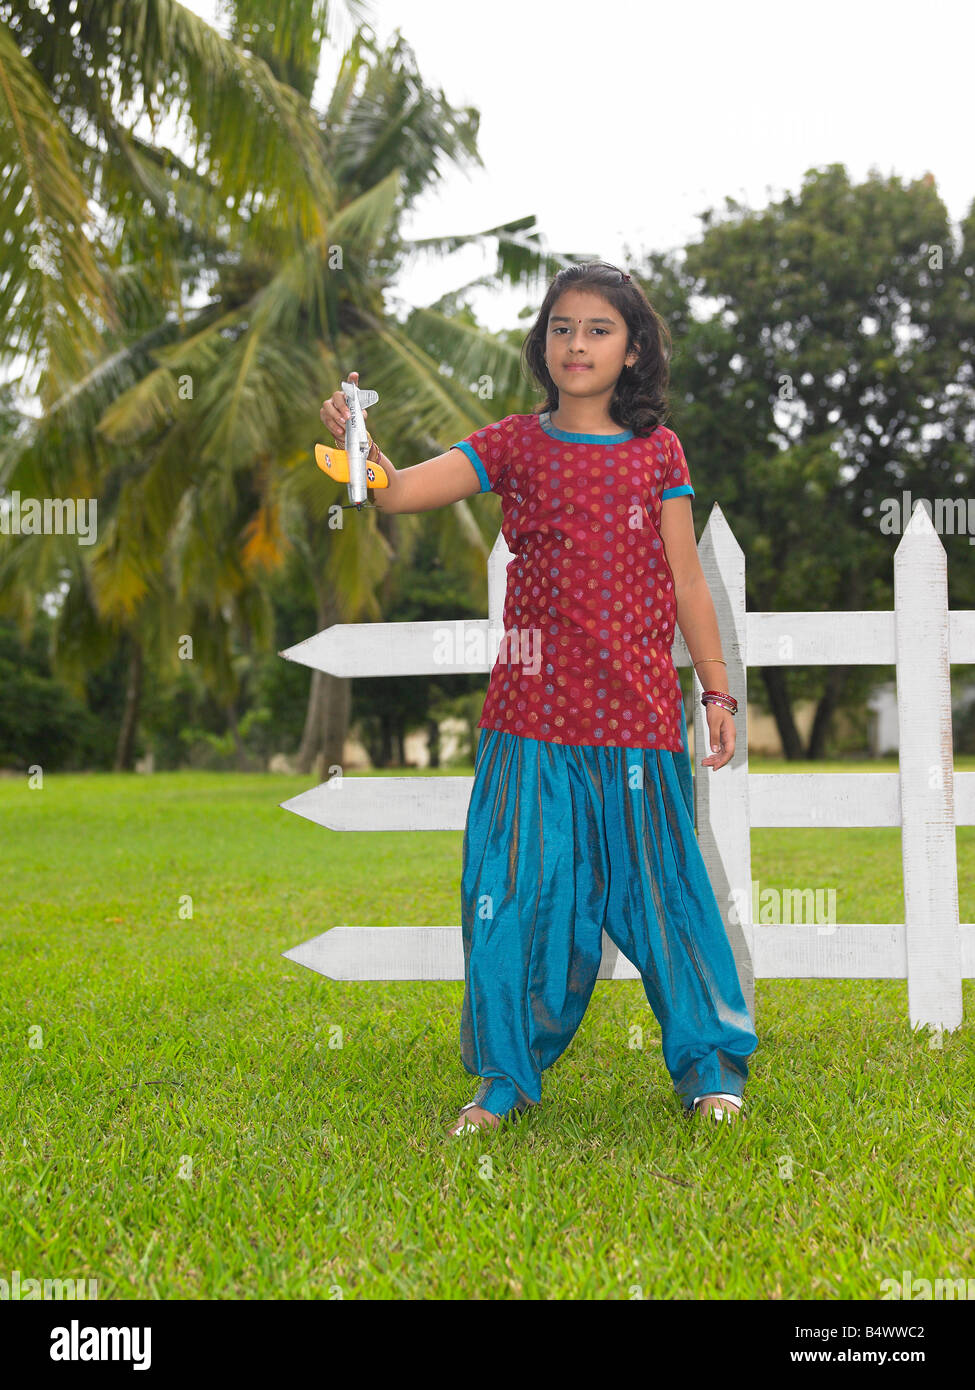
[684, 489]
[478, 465]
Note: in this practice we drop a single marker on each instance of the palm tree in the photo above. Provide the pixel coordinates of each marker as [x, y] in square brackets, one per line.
[195, 423]
[106, 234]
[297, 318]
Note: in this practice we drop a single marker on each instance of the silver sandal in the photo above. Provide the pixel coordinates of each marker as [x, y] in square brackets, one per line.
[717, 1112]
[464, 1128]
[514, 1113]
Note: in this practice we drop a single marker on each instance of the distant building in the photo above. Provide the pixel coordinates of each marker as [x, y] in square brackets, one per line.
[882, 704]
[882, 724]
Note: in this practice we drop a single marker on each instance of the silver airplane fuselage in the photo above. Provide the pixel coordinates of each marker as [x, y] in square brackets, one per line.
[357, 440]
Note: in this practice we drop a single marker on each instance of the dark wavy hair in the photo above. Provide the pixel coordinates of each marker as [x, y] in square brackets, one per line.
[640, 402]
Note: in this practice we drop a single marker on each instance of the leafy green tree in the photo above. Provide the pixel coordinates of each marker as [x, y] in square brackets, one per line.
[42, 721]
[835, 372]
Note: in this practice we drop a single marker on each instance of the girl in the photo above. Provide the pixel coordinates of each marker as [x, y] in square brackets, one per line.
[581, 815]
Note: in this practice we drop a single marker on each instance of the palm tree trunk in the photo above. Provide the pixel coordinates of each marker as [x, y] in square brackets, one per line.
[327, 714]
[125, 745]
[338, 701]
[311, 733]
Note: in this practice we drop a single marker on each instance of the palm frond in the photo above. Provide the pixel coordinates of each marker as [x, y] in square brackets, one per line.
[522, 260]
[418, 400]
[256, 401]
[368, 219]
[397, 121]
[288, 35]
[119, 568]
[476, 359]
[83, 404]
[259, 136]
[51, 289]
[159, 396]
[353, 62]
[448, 244]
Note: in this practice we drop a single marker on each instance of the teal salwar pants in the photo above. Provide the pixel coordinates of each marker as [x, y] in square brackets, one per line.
[563, 842]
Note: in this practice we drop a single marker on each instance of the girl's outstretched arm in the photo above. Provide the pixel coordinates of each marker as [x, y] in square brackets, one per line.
[435, 483]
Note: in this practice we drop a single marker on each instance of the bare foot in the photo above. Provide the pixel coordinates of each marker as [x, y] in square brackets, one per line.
[476, 1117]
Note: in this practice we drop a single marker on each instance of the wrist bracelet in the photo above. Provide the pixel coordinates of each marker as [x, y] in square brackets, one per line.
[720, 697]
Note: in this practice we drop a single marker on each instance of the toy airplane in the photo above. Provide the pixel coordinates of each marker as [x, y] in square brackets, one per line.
[350, 465]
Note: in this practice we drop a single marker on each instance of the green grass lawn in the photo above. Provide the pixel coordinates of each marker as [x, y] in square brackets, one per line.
[185, 1130]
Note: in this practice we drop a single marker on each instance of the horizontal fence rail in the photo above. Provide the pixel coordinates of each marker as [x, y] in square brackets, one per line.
[410, 649]
[811, 799]
[931, 949]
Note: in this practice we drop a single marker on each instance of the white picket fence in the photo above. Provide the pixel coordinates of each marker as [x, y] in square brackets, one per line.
[926, 798]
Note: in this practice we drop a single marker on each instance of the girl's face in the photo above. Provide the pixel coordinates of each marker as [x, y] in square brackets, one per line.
[585, 345]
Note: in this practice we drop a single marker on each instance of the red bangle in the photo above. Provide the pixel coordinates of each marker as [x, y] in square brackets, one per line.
[722, 698]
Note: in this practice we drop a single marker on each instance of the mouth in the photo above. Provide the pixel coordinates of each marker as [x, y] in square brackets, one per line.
[577, 367]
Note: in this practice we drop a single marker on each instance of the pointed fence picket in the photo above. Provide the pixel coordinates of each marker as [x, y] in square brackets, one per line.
[926, 797]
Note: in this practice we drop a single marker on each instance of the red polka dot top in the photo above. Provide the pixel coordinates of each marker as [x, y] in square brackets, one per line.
[590, 611]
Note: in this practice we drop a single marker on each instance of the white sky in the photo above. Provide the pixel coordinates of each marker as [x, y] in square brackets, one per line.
[615, 123]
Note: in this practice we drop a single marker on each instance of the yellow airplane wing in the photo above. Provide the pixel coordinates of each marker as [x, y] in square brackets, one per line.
[335, 462]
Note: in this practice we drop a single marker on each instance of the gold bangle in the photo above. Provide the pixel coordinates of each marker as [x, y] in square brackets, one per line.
[705, 659]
